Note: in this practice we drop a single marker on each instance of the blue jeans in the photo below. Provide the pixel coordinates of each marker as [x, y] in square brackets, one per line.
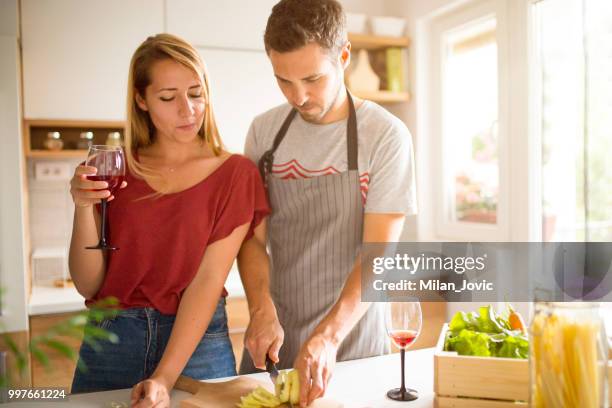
[143, 335]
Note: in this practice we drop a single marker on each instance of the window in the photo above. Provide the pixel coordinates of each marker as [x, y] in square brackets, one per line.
[470, 116]
[574, 40]
[576, 79]
[466, 124]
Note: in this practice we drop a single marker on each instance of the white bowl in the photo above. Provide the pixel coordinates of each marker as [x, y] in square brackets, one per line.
[388, 26]
[356, 23]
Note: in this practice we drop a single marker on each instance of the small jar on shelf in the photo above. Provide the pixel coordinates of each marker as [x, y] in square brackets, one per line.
[114, 139]
[85, 140]
[54, 141]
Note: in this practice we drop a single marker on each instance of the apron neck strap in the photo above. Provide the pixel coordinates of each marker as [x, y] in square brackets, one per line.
[351, 135]
[267, 159]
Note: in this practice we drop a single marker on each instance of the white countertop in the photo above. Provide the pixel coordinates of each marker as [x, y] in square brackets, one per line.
[356, 384]
[49, 299]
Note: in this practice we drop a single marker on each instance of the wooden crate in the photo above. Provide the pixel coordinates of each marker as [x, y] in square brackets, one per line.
[482, 382]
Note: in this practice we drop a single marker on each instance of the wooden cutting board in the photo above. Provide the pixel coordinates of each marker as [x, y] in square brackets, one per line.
[227, 394]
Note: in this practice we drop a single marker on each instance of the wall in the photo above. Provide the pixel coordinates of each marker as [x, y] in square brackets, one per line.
[12, 204]
[413, 10]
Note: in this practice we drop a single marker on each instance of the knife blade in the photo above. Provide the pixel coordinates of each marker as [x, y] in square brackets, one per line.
[271, 369]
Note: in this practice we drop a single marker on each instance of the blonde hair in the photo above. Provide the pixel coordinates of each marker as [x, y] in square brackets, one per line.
[140, 129]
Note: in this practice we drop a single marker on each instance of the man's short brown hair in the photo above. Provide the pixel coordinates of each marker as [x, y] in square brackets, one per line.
[296, 23]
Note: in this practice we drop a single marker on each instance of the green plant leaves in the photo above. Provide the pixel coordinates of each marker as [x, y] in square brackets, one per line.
[485, 333]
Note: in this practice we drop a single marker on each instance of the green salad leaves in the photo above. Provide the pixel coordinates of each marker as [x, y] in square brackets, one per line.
[487, 334]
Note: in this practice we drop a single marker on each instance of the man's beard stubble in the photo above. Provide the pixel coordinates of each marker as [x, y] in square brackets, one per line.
[316, 118]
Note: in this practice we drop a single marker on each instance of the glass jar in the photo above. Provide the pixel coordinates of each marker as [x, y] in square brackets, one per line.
[85, 140]
[568, 356]
[54, 141]
[114, 139]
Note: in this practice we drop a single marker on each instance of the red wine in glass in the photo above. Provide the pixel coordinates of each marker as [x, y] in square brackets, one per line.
[403, 321]
[403, 338]
[114, 182]
[110, 162]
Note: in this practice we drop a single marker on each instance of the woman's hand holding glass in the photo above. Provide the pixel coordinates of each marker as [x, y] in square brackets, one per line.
[85, 192]
[108, 162]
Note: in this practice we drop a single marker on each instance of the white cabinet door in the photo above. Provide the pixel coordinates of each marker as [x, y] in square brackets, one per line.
[13, 259]
[238, 24]
[76, 55]
[242, 87]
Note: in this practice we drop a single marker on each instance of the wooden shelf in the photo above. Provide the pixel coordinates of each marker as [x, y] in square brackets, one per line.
[372, 42]
[384, 96]
[376, 46]
[69, 123]
[35, 131]
[58, 154]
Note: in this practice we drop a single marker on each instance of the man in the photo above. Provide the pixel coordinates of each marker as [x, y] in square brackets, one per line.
[339, 172]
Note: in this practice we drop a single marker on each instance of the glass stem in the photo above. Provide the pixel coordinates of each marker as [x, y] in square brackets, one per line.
[403, 387]
[103, 205]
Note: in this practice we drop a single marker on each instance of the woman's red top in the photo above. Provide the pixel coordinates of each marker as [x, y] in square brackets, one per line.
[162, 239]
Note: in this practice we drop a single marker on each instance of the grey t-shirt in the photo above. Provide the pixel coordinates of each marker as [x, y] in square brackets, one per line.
[386, 163]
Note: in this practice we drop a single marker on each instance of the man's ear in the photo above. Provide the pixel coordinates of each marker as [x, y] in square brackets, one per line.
[142, 104]
[345, 55]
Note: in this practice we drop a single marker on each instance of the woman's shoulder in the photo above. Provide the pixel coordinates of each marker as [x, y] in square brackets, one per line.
[240, 164]
[240, 178]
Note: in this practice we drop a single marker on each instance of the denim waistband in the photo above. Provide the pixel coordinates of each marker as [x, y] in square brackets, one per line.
[150, 313]
[143, 312]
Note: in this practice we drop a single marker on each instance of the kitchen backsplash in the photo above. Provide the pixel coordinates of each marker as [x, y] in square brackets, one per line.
[51, 207]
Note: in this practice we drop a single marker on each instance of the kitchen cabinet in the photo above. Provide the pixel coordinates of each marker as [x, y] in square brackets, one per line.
[61, 369]
[76, 55]
[434, 317]
[237, 322]
[8, 360]
[238, 24]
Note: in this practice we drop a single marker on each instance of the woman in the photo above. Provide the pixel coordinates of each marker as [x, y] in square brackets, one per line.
[179, 221]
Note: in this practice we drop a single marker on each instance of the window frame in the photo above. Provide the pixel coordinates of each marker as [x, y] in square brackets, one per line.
[519, 207]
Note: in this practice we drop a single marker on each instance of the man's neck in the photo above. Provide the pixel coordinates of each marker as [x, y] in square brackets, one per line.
[339, 109]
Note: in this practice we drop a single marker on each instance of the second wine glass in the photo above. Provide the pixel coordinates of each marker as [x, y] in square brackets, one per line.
[110, 162]
[403, 321]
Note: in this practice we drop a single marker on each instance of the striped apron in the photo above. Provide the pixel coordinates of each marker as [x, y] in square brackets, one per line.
[314, 236]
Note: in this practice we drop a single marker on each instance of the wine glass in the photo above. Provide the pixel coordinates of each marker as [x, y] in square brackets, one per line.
[403, 322]
[110, 162]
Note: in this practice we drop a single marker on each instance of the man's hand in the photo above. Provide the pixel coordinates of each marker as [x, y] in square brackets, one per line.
[153, 392]
[264, 336]
[315, 364]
